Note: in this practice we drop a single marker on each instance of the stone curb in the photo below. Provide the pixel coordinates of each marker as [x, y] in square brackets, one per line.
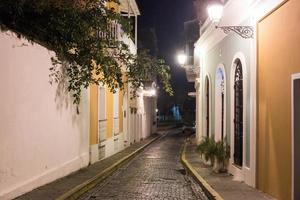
[79, 190]
[209, 191]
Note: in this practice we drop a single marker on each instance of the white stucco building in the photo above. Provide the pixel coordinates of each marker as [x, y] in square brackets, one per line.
[236, 93]
[42, 138]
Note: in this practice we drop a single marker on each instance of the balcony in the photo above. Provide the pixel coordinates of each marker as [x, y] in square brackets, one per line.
[192, 72]
[115, 33]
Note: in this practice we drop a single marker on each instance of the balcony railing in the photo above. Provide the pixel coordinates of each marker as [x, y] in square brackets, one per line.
[113, 32]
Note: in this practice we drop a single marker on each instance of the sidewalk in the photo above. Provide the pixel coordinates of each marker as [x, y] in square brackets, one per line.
[220, 186]
[73, 185]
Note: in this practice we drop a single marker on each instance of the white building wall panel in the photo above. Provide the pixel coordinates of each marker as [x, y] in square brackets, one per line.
[41, 136]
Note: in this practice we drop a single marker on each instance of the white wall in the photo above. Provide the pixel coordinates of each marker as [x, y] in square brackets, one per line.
[150, 104]
[41, 136]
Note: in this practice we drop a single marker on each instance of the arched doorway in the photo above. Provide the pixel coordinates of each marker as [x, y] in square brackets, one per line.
[238, 114]
[207, 99]
[220, 104]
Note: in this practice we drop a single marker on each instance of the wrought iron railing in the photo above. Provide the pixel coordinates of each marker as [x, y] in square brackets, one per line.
[112, 32]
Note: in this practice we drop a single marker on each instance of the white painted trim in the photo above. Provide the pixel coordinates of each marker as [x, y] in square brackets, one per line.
[116, 104]
[199, 133]
[126, 119]
[294, 77]
[104, 104]
[121, 142]
[238, 173]
[94, 153]
[222, 68]
[253, 107]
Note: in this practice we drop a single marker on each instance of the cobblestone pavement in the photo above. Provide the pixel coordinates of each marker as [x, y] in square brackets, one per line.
[221, 183]
[59, 187]
[156, 173]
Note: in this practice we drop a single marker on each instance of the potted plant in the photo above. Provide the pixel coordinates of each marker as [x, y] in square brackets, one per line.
[222, 154]
[202, 146]
[211, 151]
[208, 148]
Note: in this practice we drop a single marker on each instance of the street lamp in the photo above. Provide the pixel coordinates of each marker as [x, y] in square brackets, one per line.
[149, 93]
[181, 58]
[215, 13]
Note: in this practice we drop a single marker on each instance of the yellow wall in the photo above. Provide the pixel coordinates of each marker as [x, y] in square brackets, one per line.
[113, 5]
[278, 59]
[109, 104]
[109, 113]
[93, 114]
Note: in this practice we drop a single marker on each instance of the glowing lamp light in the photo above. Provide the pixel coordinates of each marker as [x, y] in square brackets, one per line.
[182, 58]
[215, 12]
[152, 92]
[149, 93]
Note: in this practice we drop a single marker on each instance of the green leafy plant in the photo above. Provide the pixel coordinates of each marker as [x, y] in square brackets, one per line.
[86, 47]
[208, 148]
[212, 151]
[145, 68]
[202, 146]
[222, 155]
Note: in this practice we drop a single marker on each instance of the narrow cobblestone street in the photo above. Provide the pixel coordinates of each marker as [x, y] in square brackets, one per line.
[154, 174]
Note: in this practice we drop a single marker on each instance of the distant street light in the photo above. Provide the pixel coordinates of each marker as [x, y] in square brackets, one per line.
[149, 93]
[215, 13]
[181, 58]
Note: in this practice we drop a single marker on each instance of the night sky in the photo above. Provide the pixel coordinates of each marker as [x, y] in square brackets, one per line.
[167, 18]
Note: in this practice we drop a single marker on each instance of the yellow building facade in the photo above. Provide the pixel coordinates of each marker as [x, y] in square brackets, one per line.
[278, 63]
[116, 120]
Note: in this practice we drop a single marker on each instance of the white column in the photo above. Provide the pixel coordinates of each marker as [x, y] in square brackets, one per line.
[198, 110]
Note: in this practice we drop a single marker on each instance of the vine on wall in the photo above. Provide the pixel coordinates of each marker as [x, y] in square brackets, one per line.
[80, 34]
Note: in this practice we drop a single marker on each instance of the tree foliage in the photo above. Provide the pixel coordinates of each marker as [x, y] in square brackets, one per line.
[87, 50]
[151, 68]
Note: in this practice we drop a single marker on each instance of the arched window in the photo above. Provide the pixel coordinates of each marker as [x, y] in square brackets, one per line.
[238, 113]
[220, 104]
[207, 99]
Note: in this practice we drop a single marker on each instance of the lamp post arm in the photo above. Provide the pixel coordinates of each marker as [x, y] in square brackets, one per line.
[243, 31]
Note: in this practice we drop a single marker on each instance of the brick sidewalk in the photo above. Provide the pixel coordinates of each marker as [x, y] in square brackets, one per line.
[223, 184]
[61, 186]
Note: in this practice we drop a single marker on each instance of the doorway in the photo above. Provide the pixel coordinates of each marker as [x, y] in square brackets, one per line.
[238, 114]
[220, 104]
[207, 99]
[296, 135]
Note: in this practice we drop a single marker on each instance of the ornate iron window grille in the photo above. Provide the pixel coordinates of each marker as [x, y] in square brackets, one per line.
[238, 114]
[222, 107]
